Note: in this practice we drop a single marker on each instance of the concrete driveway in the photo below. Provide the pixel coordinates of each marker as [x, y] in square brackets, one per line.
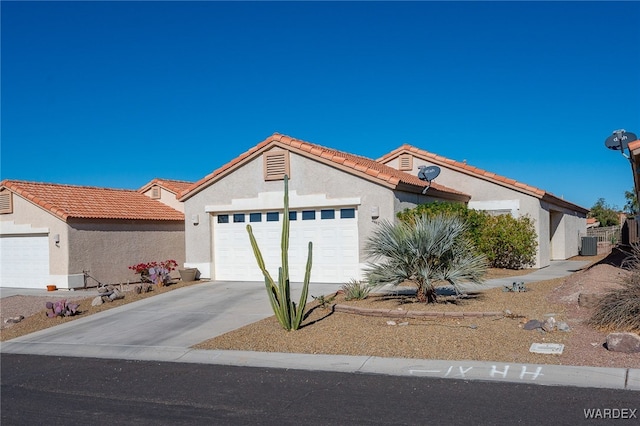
[174, 320]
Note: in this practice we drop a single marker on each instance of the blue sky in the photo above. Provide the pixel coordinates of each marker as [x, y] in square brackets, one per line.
[117, 93]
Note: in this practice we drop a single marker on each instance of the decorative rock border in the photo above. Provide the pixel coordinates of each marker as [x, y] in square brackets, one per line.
[394, 313]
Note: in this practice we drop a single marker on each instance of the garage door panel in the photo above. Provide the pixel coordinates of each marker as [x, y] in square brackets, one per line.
[335, 249]
[24, 261]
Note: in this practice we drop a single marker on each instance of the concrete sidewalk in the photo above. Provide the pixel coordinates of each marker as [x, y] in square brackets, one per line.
[164, 327]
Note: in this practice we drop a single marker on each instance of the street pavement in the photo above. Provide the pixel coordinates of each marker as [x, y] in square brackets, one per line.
[164, 327]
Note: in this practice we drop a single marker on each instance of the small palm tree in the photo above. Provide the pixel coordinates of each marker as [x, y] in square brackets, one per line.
[426, 251]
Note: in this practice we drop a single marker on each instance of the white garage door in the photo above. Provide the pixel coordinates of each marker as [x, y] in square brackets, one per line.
[24, 261]
[334, 233]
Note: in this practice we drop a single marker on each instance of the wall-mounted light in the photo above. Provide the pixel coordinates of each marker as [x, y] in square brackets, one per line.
[375, 212]
[195, 219]
[56, 238]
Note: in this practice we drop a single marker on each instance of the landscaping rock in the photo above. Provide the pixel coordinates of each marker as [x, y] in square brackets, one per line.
[563, 326]
[532, 325]
[549, 325]
[623, 342]
[14, 320]
[97, 301]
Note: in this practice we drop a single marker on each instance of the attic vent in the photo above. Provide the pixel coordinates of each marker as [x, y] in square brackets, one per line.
[6, 205]
[276, 165]
[155, 192]
[406, 162]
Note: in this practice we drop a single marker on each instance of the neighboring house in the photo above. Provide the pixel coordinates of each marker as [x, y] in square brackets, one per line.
[166, 191]
[558, 223]
[335, 201]
[52, 234]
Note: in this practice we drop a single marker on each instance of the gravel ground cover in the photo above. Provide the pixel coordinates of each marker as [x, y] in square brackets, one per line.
[500, 338]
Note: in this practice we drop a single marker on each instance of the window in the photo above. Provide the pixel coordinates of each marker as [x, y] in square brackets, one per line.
[308, 215]
[255, 217]
[238, 217]
[293, 215]
[276, 164]
[327, 214]
[347, 213]
[273, 216]
[223, 218]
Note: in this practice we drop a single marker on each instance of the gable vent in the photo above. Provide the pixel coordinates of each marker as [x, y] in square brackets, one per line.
[155, 192]
[6, 205]
[406, 162]
[276, 165]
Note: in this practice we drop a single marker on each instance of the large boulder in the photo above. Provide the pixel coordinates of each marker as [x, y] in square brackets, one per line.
[623, 342]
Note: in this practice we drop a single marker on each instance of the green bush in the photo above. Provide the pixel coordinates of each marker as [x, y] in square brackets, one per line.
[507, 242]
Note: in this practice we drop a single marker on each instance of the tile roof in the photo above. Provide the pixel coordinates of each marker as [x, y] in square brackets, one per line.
[175, 186]
[70, 201]
[366, 167]
[463, 167]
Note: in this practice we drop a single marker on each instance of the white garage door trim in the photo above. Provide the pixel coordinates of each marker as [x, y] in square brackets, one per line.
[333, 231]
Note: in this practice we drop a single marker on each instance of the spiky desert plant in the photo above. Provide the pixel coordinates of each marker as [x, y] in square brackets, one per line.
[289, 314]
[355, 289]
[619, 309]
[425, 251]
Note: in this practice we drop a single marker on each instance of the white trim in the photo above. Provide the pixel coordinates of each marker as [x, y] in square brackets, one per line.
[497, 205]
[67, 281]
[203, 268]
[273, 201]
[10, 228]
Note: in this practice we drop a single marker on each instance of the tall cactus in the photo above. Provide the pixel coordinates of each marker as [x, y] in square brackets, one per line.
[288, 313]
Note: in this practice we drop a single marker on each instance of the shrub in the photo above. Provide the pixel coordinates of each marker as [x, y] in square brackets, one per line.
[424, 251]
[507, 242]
[355, 289]
[619, 309]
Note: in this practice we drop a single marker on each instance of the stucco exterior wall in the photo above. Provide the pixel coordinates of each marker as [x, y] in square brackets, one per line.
[27, 213]
[307, 177]
[108, 248]
[556, 238]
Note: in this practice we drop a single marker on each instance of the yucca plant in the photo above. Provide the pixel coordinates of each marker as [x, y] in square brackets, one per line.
[289, 314]
[425, 251]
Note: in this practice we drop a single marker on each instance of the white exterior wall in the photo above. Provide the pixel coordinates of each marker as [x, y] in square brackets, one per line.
[309, 179]
[487, 195]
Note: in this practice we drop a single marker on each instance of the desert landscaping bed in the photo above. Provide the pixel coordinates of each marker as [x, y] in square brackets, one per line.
[499, 338]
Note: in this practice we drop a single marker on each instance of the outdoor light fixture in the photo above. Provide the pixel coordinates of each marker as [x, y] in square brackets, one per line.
[375, 212]
[56, 239]
[195, 219]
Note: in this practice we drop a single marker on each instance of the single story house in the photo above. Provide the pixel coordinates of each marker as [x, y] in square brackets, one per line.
[166, 191]
[54, 234]
[335, 201]
[560, 224]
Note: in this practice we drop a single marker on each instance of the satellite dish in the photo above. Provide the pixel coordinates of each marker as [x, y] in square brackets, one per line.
[428, 173]
[619, 140]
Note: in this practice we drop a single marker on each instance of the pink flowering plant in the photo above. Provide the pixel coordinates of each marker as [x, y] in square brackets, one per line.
[155, 272]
